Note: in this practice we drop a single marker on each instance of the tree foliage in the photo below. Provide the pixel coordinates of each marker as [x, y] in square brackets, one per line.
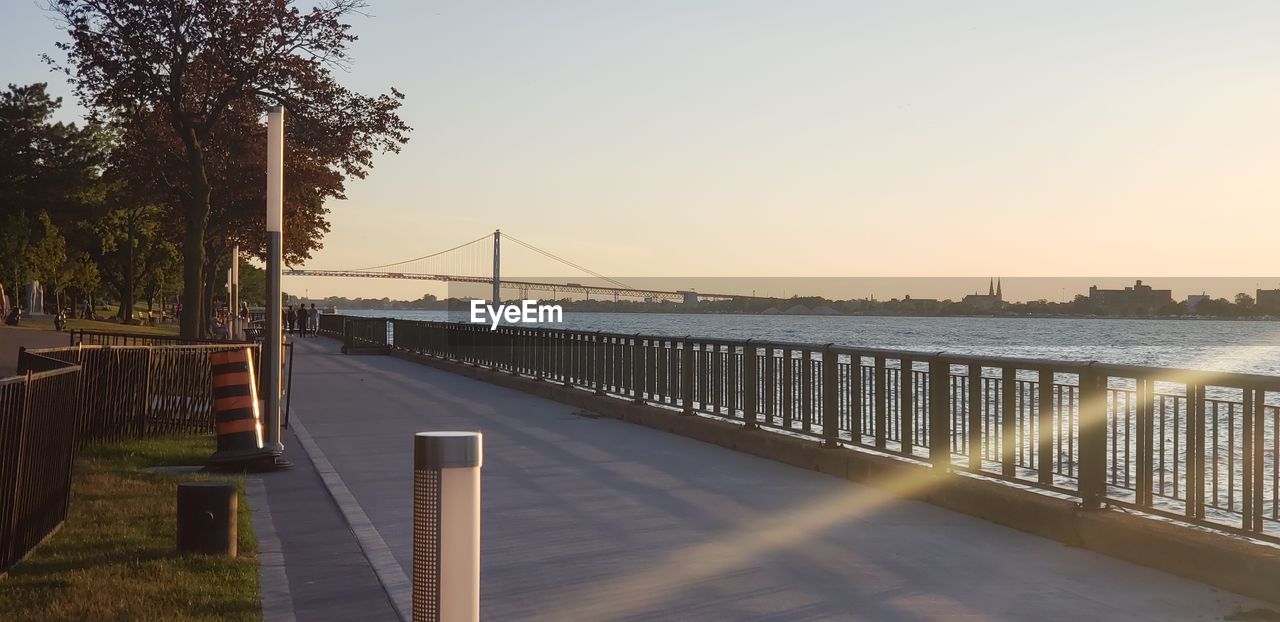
[205, 68]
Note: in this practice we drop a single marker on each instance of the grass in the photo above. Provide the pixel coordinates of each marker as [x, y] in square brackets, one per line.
[114, 557]
[46, 323]
[112, 327]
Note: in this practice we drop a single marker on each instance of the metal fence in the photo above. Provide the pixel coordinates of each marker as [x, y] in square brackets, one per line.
[1196, 445]
[135, 391]
[93, 337]
[66, 397]
[36, 444]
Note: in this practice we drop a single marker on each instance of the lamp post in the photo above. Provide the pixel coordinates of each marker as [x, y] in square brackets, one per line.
[234, 299]
[275, 220]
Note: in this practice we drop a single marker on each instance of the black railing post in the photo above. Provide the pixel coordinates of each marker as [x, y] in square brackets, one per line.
[597, 357]
[770, 385]
[881, 403]
[569, 356]
[717, 378]
[1259, 456]
[1044, 428]
[1009, 440]
[731, 381]
[1195, 451]
[855, 398]
[1145, 442]
[1247, 434]
[750, 382]
[686, 377]
[788, 388]
[906, 406]
[940, 414]
[830, 397]
[1093, 438]
[539, 344]
[975, 417]
[807, 411]
[637, 369]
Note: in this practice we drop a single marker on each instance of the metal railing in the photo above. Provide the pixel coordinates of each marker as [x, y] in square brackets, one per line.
[1196, 445]
[66, 397]
[135, 391]
[102, 338]
[331, 325]
[37, 440]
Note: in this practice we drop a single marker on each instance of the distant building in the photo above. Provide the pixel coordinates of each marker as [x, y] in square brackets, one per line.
[1194, 301]
[1139, 298]
[993, 300]
[1268, 299]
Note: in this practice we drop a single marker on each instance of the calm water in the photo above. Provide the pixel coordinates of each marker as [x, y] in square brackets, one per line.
[1199, 344]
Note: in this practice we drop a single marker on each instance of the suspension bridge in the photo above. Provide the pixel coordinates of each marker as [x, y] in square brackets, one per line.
[470, 263]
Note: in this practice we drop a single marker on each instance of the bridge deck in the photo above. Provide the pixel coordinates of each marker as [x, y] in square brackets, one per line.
[593, 519]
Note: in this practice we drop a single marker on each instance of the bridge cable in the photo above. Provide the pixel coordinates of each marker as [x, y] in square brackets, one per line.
[567, 262]
[480, 239]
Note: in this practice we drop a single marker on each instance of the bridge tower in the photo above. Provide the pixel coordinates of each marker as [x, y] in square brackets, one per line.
[497, 262]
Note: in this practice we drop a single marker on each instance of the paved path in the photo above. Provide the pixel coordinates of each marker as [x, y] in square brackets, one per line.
[594, 519]
[12, 338]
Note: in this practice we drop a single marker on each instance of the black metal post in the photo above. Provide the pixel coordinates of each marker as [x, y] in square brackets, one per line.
[830, 397]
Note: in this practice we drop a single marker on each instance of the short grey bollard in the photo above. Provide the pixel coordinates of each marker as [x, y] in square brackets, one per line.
[446, 526]
[207, 518]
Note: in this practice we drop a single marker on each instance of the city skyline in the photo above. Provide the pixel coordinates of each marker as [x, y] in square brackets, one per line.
[822, 140]
[1014, 289]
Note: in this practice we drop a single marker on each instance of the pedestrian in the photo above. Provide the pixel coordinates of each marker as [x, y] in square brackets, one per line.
[302, 319]
[290, 319]
[315, 320]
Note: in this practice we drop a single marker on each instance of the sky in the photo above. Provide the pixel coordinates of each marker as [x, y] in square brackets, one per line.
[817, 139]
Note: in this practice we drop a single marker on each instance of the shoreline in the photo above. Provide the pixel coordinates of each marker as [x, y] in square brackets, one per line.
[1202, 318]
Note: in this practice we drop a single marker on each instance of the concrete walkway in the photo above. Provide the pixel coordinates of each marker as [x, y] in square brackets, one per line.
[25, 337]
[594, 519]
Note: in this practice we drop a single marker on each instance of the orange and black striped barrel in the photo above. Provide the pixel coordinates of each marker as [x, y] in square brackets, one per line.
[235, 406]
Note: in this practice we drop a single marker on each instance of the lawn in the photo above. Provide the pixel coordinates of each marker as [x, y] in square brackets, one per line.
[46, 323]
[168, 330]
[114, 558]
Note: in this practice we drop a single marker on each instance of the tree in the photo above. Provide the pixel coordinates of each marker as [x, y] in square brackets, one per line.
[195, 60]
[47, 171]
[1244, 301]
[49, 261]
[15, 264]
[132, 247]
[44, 166]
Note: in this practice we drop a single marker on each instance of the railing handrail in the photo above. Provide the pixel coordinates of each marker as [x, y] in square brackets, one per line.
[69, 368]
[1225, 379]
[176, 346]
[139, 336]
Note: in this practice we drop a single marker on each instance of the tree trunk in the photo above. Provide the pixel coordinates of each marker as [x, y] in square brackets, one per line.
[193, 324]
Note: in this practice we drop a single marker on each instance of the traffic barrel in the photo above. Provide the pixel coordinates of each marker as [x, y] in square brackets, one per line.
[235, 405]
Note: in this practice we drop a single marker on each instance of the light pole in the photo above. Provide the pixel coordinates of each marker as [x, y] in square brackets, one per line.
[233, 293]
[275, 227]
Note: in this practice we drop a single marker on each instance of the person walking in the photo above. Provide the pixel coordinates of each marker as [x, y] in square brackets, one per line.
[302, 319]
[315, 320]
[290, 319]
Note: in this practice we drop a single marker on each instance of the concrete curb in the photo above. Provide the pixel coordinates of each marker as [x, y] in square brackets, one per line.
[1221, 560]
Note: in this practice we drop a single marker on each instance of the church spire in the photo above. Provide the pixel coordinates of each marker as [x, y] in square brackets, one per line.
[999, 292]
[991, 287]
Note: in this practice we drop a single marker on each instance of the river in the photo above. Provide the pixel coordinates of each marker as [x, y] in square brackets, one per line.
[1219, 345]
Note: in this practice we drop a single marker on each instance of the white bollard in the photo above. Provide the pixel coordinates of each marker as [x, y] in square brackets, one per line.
[446, 526]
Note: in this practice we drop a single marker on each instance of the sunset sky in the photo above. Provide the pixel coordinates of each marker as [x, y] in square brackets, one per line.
[1019, 138]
